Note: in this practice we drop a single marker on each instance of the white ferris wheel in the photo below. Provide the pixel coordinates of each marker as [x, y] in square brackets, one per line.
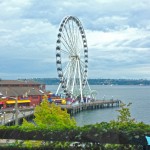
[72, 59]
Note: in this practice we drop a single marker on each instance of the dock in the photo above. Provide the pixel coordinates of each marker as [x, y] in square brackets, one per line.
[9, 114]
[98, 104]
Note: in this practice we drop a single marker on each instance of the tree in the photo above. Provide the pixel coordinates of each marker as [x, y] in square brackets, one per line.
[124, 114]
[50, 115]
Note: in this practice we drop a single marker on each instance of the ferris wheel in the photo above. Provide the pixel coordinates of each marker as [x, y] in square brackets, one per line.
[72, 59]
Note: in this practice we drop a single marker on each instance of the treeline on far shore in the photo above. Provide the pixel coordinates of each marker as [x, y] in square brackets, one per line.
[55, 81]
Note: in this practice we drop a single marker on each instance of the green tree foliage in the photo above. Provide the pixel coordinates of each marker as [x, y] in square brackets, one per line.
[124, 121]
[124, 114]
[124, 118]
[50, 115]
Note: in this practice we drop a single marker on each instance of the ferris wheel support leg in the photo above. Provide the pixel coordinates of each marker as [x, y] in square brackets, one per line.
[58, 88]
[88, 86]
[79, 71]
[67, 73]
[68, 76]
[74, 78]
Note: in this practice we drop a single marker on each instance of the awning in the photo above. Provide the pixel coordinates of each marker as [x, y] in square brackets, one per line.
[18, 101]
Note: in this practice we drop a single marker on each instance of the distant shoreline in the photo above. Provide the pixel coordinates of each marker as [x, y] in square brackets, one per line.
[140, 82]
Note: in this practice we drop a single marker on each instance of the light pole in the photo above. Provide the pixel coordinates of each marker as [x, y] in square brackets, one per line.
[4, 117]
[9, 122]
[16, 109]
[1, 119]
[16, 112]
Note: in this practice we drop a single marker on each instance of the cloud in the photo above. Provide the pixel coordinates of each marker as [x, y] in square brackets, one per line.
[11, 9]
[25, 45]
[117, 34]
[27, 33]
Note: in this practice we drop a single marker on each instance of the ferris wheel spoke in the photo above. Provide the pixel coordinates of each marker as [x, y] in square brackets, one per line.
[82, 72]
[83, 69]
[71, 33]
[72, 28]
[65, 52]
[74, 35]
[66, 68]
[77, 38]
[79, 45]
[82, 63]
[65, 44]
[69, 38]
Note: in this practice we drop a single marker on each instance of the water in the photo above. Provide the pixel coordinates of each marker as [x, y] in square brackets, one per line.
[139, 96]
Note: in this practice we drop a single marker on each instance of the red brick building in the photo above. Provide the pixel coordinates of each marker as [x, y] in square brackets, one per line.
[24, 92]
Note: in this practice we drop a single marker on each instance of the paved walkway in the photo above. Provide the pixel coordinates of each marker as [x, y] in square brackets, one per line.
[6, 118]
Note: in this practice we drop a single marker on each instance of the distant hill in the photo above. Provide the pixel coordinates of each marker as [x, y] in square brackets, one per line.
[55, 81]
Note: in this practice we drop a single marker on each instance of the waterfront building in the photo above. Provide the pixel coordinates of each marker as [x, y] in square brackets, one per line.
[24, 92]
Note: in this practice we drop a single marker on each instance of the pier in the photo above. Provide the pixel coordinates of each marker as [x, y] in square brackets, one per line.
[98, 104]
[8, 115]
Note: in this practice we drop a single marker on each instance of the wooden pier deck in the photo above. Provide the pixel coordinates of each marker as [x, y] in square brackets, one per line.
[98, 104]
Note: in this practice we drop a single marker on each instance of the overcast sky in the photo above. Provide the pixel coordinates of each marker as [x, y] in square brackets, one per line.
[118, 36]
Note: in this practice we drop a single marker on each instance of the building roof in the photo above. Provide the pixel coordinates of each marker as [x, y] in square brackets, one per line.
[20, 91]
[18, 82]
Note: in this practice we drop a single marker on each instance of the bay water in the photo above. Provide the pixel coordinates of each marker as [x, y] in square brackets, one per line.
[138, 95]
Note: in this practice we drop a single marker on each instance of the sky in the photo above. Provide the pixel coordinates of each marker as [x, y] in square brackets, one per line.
[117, 32]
